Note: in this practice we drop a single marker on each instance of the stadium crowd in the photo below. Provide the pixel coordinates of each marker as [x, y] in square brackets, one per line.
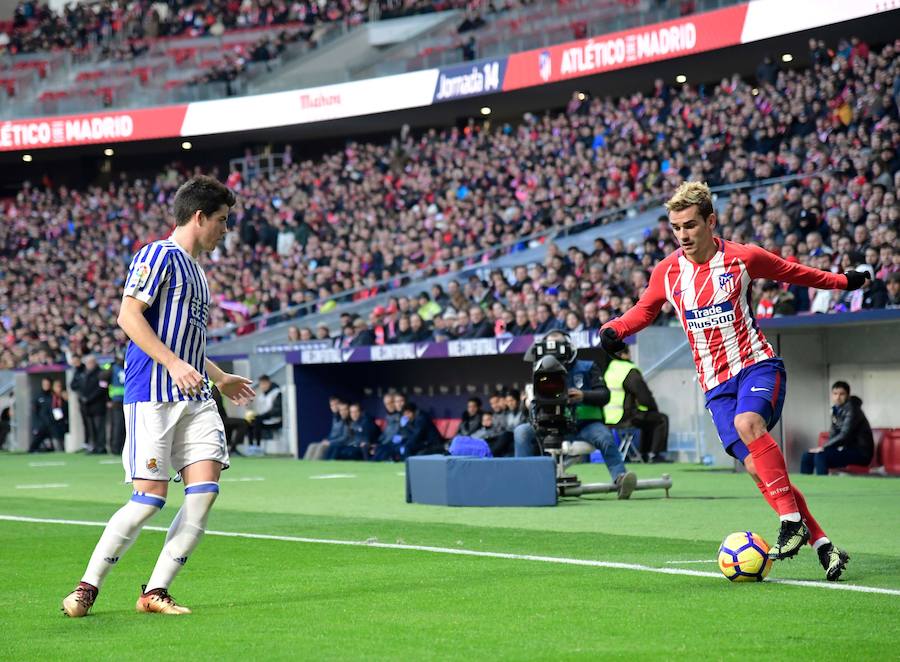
[404, 430]
[35, 27]
[323, 231]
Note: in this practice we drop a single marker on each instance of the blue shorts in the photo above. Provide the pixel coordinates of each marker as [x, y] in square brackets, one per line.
[760, 389]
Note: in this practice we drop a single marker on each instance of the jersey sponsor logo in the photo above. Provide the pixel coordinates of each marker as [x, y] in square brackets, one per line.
[199, 312]
[727, 283]
[709, 317]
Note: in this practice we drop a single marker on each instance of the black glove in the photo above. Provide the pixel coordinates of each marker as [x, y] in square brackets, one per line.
[855, 279]
[610, 341]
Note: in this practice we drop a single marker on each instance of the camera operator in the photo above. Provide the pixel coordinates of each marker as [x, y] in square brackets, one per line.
[588, 393]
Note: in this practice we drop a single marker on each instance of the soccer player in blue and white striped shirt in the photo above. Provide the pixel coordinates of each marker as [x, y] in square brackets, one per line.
[171, 420]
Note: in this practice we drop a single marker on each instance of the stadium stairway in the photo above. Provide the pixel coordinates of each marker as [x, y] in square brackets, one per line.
[358, 47]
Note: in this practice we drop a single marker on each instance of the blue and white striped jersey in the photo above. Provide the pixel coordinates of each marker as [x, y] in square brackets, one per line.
[171, 282]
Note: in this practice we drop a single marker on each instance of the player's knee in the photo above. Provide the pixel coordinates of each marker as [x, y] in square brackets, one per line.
[204, 493]
[749, 426]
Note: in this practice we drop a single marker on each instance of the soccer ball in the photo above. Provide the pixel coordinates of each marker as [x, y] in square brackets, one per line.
[744, 557]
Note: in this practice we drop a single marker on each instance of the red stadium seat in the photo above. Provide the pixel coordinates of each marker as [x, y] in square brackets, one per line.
[447, 427]
[890, 452]
[887, 447]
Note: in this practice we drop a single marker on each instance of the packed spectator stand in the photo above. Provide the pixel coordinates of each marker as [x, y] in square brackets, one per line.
[93, 56]
[319, 232]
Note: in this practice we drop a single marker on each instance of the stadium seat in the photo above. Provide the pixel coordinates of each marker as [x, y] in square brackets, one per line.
[887, 450]
[447, 427]
[890, 452]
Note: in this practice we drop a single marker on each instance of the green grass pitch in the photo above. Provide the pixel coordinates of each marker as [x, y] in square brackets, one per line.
[287, 599]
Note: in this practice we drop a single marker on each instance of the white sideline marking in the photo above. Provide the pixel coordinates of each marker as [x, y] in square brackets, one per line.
[46, 464]
[246, 479]
[110, 461]
[471, 552]
[697, 561]
[328, 476]
[42, 486]
[401, 473]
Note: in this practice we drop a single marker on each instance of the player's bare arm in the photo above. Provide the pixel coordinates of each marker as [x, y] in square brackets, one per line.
[132, 321]
[234, 387]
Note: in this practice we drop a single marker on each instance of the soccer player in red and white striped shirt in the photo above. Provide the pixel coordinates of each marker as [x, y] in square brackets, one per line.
[707, 281]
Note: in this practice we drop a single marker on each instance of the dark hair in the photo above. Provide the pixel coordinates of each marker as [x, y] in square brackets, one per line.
[513, 393]
[476, 400]
[411, 408]
[265, 378]
[841, 384]
[201, 193]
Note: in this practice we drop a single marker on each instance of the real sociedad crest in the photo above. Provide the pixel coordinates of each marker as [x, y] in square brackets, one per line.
[726, 283]
[545, 65]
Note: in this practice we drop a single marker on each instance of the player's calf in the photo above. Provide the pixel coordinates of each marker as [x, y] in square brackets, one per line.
[185, 533]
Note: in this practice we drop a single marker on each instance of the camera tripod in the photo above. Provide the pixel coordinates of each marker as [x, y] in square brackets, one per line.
[568, 485]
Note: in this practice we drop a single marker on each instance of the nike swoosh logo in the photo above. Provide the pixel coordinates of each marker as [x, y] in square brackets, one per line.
[730, 564]
[676, 293]
[774, 481]
[754, 389]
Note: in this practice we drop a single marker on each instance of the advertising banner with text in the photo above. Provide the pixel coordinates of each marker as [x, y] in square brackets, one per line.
[697, 33]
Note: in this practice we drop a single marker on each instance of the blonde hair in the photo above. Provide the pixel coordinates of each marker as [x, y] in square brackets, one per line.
[690, 194]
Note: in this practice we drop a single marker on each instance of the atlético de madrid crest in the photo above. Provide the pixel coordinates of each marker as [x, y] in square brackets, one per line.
[726, 283]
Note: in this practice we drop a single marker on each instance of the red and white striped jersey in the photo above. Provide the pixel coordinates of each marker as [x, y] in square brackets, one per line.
[712, 301]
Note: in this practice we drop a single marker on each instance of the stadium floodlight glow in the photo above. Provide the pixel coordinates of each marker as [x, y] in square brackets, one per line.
[485, 110]
[108, 151]
[680, 78]
[27, 158]
[787, 57]
[186, 145]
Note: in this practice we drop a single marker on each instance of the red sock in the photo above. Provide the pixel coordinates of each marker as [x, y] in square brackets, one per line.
[815, 531]
[765, 493]
[770, 467]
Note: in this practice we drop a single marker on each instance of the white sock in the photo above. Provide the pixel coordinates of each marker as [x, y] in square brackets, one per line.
[790, 517]
[821, 541]
[184, 534]
[120, 532]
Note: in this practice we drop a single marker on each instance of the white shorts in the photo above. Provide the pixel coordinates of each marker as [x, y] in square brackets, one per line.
[162, 437]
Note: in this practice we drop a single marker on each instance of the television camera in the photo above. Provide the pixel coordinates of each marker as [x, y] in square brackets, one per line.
[552, 414]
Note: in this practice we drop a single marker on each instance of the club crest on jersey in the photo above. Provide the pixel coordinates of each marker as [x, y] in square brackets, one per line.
[140, 275]
[726, 283]
[152, 465]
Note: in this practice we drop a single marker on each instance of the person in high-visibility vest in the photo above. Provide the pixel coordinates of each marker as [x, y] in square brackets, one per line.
[588, 394]
[631, 405]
